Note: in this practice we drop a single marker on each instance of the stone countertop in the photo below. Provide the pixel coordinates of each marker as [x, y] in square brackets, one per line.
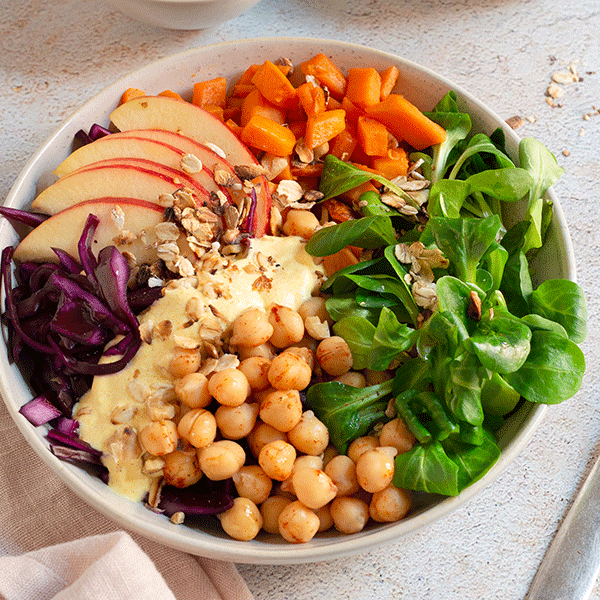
[55, 54]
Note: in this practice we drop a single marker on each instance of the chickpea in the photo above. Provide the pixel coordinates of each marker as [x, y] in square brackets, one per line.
[282, 409]
[301, 223]
[375, 377]
[389, 505]
[395, 433]
[242, 521]
[302, 462]
[360, 445]
[297, 523]
[184, 361]
[192, 390]
[325, 520]
[375, 469]
[306, 353]
[261, 435]
[251, 328]
[265, 350]
[270, 510]
[309, 435]
[315, 307]
[159, 437]
[329, 453]
[181, 469]
[289, 372]
[334, 355]
[277, 459]
[349, 514]
[236, 422]
[221, 460]
[288, 327]
[313, 487]
[353, 378]
[229, 387]
[342, 471]
[198, 426]
[253, 483]
[256, 368]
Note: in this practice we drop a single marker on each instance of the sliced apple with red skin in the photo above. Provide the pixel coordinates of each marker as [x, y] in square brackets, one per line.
[153, 144]
[162, 112]
[202, 182]
[258, 221]
[108, 181]
[63, 230]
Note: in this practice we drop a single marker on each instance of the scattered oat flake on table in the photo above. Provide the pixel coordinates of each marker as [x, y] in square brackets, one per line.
[514, 122]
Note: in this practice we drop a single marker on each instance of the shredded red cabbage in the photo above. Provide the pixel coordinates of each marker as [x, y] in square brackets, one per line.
[203, 498]
[40, 410]
[15, 215]
[96, 132]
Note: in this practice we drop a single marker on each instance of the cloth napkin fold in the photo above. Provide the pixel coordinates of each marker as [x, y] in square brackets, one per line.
[54, 546]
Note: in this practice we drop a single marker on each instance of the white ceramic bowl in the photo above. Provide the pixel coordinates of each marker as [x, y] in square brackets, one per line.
[183, 14]
[178, 73]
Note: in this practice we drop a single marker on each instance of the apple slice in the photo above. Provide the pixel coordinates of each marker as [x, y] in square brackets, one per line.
[202, 182]
[63, 230]
[172, 114]
[125, 181]
[259, 217]
[153, 144]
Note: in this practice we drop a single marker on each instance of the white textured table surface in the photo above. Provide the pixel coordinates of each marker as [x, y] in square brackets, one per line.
[55, 54]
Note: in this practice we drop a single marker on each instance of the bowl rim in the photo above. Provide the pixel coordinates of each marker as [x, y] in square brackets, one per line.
[203, 544]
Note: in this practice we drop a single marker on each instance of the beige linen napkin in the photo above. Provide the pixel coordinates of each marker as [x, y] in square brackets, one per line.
[52, 545]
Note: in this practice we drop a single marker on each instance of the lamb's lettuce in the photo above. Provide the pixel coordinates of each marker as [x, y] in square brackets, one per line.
[490, 342]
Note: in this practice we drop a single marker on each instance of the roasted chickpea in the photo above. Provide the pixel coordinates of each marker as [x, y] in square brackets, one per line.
[181, 469]
[309, 435]
[305, 353]
[334, 355]
[242, 521]
[349, 514]
[159, 437]
[261, 435]
[253, 483]
[313, 487]
[277, 459]
[288, 327]
[282, 409]
[360, 445]
[375, 469]
[251, 328]
[297, 523]
[315, 307]
[236, 422]
[265, 350]
[192, 390]
[270, 510]
[198, 426]
[229, 387]
[389, 505]
[184, 361]
[222, 459]
[289, 372]
[342, 471]
[301, 462]
[256, 369]
[395, 433]
[353, 378]
[324, 514]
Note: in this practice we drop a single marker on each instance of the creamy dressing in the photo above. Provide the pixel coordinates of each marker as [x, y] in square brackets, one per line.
[275, 270]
